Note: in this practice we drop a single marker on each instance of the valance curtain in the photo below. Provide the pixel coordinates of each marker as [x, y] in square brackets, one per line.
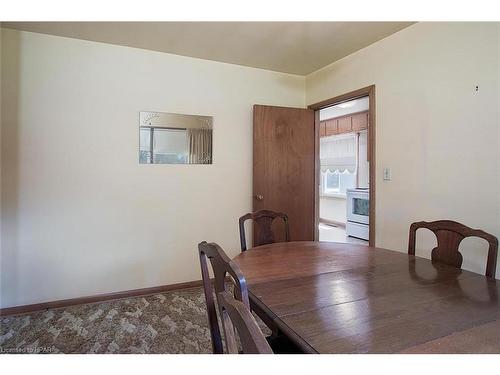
[338, 153]
[200, 146]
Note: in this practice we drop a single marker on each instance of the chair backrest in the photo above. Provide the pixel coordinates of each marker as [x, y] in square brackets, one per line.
[224, 269]
[449, 234]
[264, 234]
[237, 318]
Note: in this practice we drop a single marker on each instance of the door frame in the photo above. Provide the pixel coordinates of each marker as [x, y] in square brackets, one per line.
[365, 91]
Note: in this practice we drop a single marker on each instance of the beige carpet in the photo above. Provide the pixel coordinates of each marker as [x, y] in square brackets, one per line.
[172, 322]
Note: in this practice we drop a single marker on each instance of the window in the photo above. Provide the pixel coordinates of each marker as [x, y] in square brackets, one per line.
[338, 155]
[332, 182]
[336, 183]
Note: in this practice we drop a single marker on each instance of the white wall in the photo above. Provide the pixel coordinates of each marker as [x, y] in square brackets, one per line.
[439, 136]
[80, 216]
[333, 208]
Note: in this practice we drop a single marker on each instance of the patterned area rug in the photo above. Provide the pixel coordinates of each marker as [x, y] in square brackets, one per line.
[172, 322]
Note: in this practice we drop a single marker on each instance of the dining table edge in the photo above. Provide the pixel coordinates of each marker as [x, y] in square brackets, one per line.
[289, 332]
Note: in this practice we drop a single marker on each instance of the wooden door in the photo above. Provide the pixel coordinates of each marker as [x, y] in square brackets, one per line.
[283, 166]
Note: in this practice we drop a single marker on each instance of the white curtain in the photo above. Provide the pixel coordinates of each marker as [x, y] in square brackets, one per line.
[338, 153]
[200, 146]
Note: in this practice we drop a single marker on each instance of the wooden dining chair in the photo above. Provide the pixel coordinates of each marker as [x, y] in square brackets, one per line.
[222, 266]
[237, 320]
[264, 220]
[227, 272]
[449, 235]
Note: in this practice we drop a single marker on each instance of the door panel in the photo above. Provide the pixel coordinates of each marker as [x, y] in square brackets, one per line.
[283, 169]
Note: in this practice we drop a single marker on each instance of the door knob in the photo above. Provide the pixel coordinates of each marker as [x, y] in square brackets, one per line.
[259, 197]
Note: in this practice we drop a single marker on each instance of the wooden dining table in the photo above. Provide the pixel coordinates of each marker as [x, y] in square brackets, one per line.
[347, 298]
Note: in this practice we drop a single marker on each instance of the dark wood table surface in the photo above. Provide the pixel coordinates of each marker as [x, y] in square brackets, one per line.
[344, 298]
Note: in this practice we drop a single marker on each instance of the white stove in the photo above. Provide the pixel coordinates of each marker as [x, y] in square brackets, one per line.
[358, 213]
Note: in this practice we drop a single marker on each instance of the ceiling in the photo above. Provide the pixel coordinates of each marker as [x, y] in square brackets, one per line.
[290, 47]
[351, 106]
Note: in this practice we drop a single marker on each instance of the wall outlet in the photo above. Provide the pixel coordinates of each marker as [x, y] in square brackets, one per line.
[387, 174]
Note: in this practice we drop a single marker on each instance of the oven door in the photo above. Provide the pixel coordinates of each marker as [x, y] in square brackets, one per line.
[358, 208]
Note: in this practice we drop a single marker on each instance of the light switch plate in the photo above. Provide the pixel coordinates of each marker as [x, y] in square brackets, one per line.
[387, 174]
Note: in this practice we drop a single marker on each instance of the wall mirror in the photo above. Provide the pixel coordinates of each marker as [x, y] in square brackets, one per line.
[171, 138]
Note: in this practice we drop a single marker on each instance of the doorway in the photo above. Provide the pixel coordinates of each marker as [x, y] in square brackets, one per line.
[344, 166]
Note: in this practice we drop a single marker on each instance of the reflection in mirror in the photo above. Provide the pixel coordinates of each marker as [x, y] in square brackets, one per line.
[171, 138]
